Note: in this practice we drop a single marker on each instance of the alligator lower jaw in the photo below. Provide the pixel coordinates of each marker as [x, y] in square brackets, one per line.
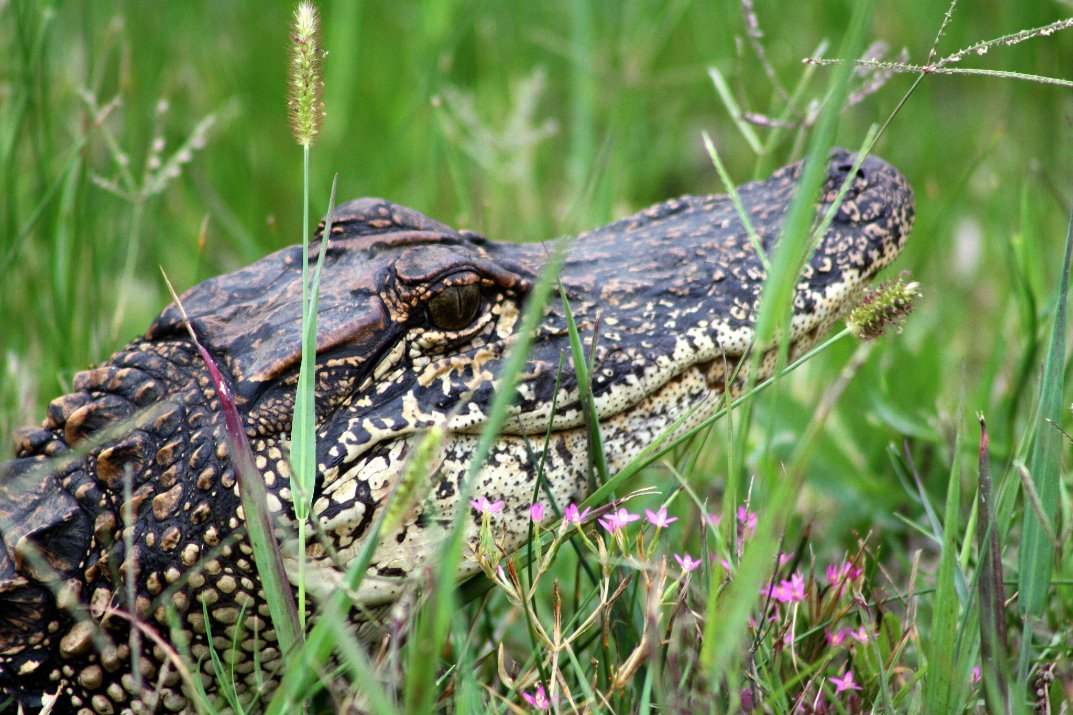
[730, 367]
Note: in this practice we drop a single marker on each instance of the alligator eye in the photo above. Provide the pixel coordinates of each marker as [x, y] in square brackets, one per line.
[454, 307]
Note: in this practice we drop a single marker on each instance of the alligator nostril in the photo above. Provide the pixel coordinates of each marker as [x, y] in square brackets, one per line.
[839, 172]
[844, 169]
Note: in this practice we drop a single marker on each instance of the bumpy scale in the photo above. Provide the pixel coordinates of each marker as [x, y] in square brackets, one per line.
[415, 322]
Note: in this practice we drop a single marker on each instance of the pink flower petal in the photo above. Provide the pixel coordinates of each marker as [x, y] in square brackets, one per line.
[686, 562]
[538, 699]
[572, 516]
[610, 523]
[659, 518]
[484, 506]
[845, 682]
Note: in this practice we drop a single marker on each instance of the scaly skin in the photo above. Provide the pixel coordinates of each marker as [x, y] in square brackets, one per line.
[675, 288]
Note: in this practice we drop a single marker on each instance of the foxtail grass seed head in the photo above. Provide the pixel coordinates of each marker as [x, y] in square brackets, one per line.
[882, 308]
[305, 106]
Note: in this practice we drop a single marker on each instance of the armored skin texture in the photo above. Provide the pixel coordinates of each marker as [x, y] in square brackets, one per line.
[124, 503]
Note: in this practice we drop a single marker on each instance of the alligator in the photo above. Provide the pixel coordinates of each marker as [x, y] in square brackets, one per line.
[126, 499]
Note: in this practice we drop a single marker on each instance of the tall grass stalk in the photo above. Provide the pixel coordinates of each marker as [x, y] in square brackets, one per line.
[306, 110]
[995, 668]
[583, 377]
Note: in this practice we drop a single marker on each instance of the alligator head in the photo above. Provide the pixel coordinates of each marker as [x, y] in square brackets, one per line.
[416, 320]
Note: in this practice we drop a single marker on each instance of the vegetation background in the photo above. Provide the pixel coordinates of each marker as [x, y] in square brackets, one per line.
[500, 117]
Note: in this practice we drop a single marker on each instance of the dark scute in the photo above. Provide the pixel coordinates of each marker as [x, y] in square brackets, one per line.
[35, 512]
[371, 216]
[105, 411]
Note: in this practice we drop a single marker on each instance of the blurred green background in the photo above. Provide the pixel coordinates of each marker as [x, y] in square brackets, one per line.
[526, 120]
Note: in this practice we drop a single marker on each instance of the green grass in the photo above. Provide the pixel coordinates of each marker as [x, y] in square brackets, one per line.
[528, 120]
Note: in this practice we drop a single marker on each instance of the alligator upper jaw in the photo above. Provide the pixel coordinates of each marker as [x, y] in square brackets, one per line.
[676, 287]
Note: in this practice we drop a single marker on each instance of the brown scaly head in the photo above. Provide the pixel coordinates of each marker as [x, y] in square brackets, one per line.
[415, 322]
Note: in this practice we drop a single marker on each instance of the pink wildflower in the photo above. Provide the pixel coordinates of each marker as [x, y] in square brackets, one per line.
[748, 702]
[845, 682]
[792, 591]
[797, 586]
[860, 635]
[536, 512]
[659, 518]
[747, 520]
[836, 638]
[571, 515]
[686, 562]
[974, 677]
[715, 519]
[615, 520]
[843, 572]
[486, 507]
[538, 699]
[610, 523]
[785, 558]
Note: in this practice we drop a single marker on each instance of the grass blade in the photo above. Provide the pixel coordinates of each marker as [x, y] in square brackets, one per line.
[726, 621]
[995, 670]
[582, 373]
[942, 688]
[732, 107]
[1037, 551]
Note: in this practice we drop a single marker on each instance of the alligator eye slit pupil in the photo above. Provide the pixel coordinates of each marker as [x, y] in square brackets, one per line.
[455, 307]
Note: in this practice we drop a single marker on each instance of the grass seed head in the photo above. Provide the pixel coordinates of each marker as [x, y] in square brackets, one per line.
[882, 308]
[305, 106]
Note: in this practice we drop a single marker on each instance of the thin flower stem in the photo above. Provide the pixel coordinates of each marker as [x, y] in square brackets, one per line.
[942, 30]
[1014, 38]
[939, 68]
